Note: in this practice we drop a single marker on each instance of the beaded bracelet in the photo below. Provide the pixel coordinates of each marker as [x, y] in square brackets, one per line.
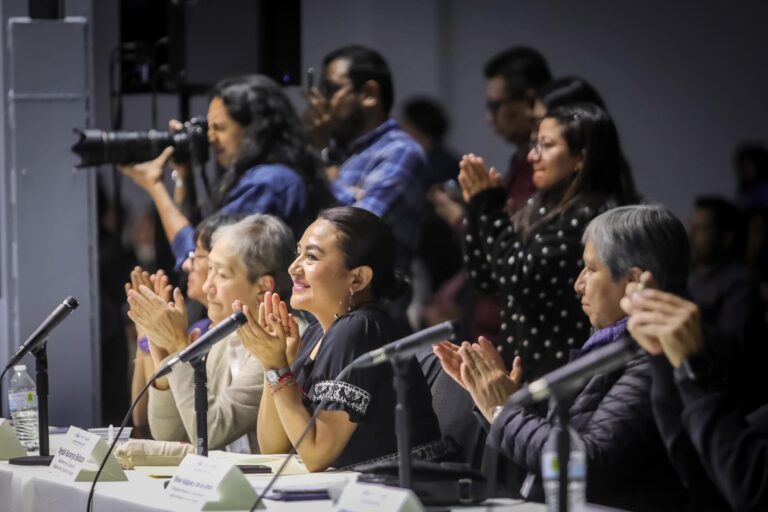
[282, 385]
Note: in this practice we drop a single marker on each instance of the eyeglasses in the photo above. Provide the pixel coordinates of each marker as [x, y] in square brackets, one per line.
[538, 148]
[493, 106]
[329, 89]
[199, 255]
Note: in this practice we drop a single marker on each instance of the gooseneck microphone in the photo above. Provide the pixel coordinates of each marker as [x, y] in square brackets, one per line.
[204, 344]
[571, 377]
[405, 346]
[41, 334]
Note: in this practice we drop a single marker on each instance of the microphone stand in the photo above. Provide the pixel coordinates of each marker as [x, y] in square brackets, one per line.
[201, 404]
[41, 383]
[402, 416]
[562, 405]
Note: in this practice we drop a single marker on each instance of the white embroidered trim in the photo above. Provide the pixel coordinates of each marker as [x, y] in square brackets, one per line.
[343, 393]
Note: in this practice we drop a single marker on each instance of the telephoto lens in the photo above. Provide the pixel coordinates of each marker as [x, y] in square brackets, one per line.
[98, 147]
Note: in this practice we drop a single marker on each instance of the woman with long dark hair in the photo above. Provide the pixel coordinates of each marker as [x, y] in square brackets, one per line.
[268, 166]
[343, 274]
[532, 257]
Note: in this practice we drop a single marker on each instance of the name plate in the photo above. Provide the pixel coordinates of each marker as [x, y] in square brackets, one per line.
[359, 497]
[79, 456]
[201, 483]
[10, 446]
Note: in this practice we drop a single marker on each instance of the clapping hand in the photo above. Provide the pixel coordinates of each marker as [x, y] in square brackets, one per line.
[271, 336]
[479, 369]
[474, 178]
[165, 323]
[157, 282]
[662, 322]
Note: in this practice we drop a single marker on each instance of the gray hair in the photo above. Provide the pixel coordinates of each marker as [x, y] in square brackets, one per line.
[646, 236]
[265, 245]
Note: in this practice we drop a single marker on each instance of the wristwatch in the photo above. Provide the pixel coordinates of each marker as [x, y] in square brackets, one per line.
[277, 375]
[697, 368]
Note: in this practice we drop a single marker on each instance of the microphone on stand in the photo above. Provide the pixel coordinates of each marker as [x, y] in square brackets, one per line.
[204, 343]
[405, 346]
[42, 332]
[571, 377]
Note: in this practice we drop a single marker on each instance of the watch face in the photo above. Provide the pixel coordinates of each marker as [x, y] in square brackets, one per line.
[272, 376]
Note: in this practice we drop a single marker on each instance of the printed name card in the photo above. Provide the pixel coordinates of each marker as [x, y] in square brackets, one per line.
[10, 446]
[360, 497]
[79, 456]
[201, 483]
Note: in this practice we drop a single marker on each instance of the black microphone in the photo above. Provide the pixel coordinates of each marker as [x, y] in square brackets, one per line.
[571, 377]
[41, 334]
[405, 346]
[204, 343]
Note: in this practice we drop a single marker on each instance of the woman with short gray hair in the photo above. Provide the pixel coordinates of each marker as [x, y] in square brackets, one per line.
[247, 259]
[627, 463]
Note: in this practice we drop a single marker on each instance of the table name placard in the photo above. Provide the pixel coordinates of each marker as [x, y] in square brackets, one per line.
[10, 446]
[201, 483]
[359, 497]
[79, 456]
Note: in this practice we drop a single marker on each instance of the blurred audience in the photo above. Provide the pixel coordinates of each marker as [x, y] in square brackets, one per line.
[513, 78]
[751, 164]
[723, 287]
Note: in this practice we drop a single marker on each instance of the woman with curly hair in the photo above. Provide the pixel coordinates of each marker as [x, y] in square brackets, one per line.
[268, 166]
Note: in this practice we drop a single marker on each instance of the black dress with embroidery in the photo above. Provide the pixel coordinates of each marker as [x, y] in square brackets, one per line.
[366, 395]
[542, 319]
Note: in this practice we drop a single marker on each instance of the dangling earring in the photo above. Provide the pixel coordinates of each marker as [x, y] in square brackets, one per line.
[351, 298]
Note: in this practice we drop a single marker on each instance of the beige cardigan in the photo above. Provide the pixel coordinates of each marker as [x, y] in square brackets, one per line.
[233, 407]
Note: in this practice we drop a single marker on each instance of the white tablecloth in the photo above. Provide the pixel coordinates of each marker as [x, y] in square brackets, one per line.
[34, 489]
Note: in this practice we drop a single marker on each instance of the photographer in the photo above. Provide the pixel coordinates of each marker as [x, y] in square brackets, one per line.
[268, 166]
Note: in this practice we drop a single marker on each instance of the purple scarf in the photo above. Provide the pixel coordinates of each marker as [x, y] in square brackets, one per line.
[605, 336]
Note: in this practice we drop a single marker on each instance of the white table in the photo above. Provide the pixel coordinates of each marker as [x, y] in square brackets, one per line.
[33, 489]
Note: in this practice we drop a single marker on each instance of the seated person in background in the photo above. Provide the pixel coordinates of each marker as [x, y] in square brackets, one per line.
[258, 141]
[343, 272]
[197, 273]
[724, 289]
[718, 443]
[627, 465]
[246, 260]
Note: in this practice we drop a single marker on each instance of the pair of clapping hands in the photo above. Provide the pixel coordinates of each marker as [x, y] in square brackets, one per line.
[162, 320]
[271, 334]
[661, 322]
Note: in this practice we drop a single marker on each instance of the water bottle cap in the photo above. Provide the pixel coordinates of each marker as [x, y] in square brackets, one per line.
[20, 368]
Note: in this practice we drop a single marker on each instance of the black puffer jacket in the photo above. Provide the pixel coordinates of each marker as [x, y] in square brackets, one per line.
[627, 466]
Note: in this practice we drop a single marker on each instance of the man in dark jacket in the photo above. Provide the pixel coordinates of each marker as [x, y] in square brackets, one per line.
[719, 448]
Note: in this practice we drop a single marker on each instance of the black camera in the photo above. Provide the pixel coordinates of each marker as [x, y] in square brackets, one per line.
[97, 147]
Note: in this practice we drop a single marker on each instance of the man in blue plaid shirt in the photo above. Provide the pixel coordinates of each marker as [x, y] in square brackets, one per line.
[382, 168]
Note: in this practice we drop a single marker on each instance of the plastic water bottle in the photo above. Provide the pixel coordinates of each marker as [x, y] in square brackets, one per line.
[577, 471]
[22, 401]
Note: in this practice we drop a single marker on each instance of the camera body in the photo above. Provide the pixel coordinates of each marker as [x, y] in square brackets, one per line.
[98, 147]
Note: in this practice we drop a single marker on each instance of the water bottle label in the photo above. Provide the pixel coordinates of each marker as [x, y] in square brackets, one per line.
[577, 467]
[550, 466]
[22, 401]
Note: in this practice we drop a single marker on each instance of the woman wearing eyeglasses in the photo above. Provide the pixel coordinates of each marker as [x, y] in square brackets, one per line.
[267, 165]
[531, 259]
